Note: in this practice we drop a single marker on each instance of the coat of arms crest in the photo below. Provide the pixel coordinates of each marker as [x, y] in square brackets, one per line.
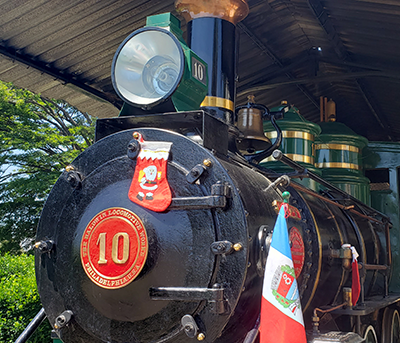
[284, 287]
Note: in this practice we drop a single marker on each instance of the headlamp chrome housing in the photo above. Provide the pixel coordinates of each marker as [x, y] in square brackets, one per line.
[148, 67]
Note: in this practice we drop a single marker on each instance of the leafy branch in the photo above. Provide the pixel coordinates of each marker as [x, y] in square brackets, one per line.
[38, 138]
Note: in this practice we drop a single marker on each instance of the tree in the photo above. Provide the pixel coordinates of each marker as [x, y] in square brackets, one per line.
[39, 137]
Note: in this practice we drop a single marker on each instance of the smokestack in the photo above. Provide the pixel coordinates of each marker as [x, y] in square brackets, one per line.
[212, 35]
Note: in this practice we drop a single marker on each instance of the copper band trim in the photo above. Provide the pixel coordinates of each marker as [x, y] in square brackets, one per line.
[337, 147]
[214, 101]
[291, 134]
[294, 157]
[338, 165]
[233, 11]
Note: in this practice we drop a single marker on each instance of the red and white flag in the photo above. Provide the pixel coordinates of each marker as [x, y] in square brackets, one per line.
[355, 278]
[281, 318]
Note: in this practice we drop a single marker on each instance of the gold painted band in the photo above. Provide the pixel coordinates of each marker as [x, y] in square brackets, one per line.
[337, 147]
[214, 101]
[291, 134]
[338, 165]
[294, 157]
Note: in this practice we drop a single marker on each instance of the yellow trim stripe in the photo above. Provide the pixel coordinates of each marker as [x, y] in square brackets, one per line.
[214, 101]
[291, 134]
[337, 147]
[338, 165]
[294, 157]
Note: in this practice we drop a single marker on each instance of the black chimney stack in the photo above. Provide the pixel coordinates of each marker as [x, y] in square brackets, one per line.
[211, 34]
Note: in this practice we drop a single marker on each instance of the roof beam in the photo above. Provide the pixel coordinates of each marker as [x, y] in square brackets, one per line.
[277, 61]
[341, 51]
[318, 79]
[66, 78]
[329, 29]
[273, 74]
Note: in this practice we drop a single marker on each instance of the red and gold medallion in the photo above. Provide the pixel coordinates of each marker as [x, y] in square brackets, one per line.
[297, 250]
[114, 248]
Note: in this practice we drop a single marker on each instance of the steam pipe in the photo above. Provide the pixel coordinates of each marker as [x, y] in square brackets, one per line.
[278, 155]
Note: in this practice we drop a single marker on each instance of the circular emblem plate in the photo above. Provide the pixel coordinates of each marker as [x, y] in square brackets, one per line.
[297, 249]
[114, 248]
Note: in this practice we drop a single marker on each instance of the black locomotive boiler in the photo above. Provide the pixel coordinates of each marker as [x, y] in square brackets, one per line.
[112, 270]
[204, 268]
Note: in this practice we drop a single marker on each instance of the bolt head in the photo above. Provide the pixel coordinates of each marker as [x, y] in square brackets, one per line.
[207, 163]
[237, 247]
[188, 327]
[132, 147]
[69, 168]
[201, 336]
[136, 135]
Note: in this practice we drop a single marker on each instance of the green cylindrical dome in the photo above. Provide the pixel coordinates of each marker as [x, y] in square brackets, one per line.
[339, 147]
[338, 154]
[297, 143]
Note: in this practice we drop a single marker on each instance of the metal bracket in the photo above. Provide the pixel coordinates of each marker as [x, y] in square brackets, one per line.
[74, 178]
[44, 246]
[221, 247]
[133, 149]
[221, 189]
[195, 173]
[63, 319]
[282, 180]
[214, 130]
[198, 203]
[189, 326]
[220, 193]
[214, 296]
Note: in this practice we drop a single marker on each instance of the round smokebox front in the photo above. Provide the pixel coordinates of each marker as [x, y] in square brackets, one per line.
[125, 268]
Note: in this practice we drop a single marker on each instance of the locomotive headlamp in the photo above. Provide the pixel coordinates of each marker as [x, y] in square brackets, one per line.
[148, 66]
[152, 66]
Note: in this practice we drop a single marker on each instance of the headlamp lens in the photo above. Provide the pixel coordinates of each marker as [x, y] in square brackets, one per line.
[147, 67]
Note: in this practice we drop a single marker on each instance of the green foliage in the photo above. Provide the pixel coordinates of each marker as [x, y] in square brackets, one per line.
[38, 138]
[19, 299]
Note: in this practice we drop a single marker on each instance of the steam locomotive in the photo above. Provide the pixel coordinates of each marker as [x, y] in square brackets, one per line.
[113, 267]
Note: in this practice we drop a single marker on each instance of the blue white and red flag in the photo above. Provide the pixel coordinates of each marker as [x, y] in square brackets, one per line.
[281, 318]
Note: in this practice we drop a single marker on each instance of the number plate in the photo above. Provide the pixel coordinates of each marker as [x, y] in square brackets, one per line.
[114, 248]
[199, 71]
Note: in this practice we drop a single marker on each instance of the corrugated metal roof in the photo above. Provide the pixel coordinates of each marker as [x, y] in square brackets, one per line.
[58, 48]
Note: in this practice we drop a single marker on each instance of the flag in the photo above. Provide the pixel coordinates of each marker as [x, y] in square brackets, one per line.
[355, 278]
[281, 318]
